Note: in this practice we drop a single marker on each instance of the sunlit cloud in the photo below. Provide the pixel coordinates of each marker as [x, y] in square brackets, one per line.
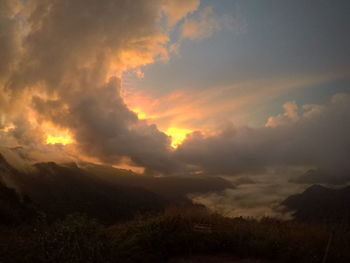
[8, 128]
[177, 135]
[69, 85]
[64, 140]
[55, 135]
[202, 27]
[199, 109]
[69, 79]
[140, 114]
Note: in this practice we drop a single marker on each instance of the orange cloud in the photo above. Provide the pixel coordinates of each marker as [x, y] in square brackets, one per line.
[290, 115]
[56, 135]
[202, 27]
[177, 135]
[205, 110]
[176, 10]
[63, 139]
[63, 77]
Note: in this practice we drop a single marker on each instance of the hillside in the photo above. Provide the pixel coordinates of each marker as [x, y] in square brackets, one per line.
[169, 187]
[83, 219]
[59, 190]
[321, 204]
[13, 209]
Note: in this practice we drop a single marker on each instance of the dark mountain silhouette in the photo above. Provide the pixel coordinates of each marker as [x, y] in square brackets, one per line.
[169, 187]
[14, 209]
[321, 204]
[317, 176]
[59, 190]
[8, 175]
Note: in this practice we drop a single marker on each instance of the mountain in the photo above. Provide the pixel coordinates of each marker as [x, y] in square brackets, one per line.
[8, 174]
[59, 190]
[171, 188]
[321, 204]
[13, 208]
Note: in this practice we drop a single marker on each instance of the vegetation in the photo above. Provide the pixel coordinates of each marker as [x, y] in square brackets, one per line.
[178, 232]
[72, 216]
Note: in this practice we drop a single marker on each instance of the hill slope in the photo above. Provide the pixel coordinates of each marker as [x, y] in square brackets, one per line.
[320, 204]
[59, 190]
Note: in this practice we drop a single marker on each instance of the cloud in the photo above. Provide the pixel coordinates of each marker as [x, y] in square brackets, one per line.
[201, 26]
[205, 22]
[260, 199]
[317, 138]
[290, 115]
[198, 109]
[176, 10]
[8, 37]
[10, 50]
[318, 176]
[63, 67]
[67, 68]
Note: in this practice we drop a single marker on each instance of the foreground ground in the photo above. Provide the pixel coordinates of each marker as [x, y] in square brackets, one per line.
[178, 235]
[214, 259]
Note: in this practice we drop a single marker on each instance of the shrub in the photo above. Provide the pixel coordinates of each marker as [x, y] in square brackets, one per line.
[74, 239]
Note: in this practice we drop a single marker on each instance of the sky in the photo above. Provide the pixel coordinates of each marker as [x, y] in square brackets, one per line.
[285, 51]
[227, 88]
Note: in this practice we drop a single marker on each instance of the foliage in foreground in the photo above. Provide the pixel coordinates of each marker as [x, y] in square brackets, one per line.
[171, 234]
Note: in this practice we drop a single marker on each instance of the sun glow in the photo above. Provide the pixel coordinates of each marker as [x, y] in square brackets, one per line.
[58, 140]
[56, 135]
[177, 135]
[8, 128]
[141, 115]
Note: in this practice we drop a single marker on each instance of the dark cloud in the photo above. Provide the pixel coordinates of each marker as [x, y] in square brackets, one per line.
[68, 74]
[319, 137]
[8, 37]
[9, 49]
[107, 129]
[317, 176]
[243, 181]
[63, 61]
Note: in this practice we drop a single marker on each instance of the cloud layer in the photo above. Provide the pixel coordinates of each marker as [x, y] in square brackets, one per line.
[63, 65]
[314, 136]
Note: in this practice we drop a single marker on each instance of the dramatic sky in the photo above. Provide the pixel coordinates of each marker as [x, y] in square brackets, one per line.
[227, 87]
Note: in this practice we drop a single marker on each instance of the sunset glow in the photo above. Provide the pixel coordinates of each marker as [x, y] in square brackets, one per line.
[177, 135]
[64, 140]
[116, 111]
[8, 128]
[56, 135]
[141, 115]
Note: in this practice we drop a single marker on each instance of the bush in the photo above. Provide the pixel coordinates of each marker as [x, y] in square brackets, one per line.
[156, 239]
[74, 239]
[176, 233]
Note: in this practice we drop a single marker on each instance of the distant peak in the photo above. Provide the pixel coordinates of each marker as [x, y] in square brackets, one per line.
[46, 165]
[316, 188]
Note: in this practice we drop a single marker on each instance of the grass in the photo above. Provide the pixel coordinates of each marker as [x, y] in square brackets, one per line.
[177, 235]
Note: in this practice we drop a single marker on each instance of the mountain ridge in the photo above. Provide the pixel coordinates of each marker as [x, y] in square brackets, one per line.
[321, 204]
